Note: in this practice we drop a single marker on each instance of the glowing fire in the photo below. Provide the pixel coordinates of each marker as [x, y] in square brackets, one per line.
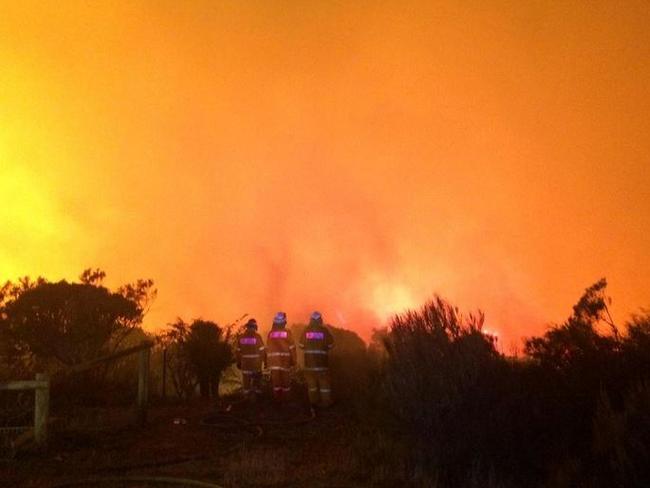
[247, 160]
[389, 298]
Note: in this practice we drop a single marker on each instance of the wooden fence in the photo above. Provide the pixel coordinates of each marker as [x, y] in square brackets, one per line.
[41, 387]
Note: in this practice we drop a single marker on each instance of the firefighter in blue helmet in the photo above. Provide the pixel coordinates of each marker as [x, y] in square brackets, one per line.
[250, 354]
[316, 342]
[280, 356]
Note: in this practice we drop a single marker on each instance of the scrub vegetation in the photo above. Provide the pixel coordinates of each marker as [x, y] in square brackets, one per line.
[430, 402]
[572, 411]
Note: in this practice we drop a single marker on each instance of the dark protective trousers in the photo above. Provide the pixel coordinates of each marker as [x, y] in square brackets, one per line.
[319, 388]
[252, 383]
[281, 381]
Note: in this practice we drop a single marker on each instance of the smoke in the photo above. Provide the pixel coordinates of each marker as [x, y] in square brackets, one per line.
[256, 157]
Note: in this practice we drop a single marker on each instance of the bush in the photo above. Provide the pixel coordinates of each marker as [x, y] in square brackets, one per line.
[55, 325]
[443, 378]
[348, 361]
[197, 355]
[575, 411]
[48, 327]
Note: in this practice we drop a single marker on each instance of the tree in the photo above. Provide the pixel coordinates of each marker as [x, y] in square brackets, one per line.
[197, 354]
[210, 353]
[574, 366]
[636, 347]
[173, 340]
[17, 361]
[70, 323]
[577, 342]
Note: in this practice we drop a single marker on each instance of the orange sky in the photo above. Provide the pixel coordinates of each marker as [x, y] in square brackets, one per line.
[353, 157]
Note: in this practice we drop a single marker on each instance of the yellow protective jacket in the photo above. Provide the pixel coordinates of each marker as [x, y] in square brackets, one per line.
[316, 341]
[250, 351]
[280, 349]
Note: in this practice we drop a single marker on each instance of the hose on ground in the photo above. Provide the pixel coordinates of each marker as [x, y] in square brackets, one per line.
[137, 479]
[154, 464]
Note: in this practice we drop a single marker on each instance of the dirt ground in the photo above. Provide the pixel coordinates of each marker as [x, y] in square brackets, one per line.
[234, 445]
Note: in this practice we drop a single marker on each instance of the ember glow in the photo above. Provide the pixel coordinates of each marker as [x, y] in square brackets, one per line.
[349, 157]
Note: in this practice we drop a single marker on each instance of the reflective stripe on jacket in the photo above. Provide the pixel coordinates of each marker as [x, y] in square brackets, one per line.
[250, 351]
[281, 350]
[316, 341]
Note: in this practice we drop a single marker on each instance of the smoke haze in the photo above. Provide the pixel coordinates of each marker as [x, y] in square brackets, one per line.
[349, 157]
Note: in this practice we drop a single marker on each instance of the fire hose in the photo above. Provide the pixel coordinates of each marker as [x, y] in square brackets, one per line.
[137, 479]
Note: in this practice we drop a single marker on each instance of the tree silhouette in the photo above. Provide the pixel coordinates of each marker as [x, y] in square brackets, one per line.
[174, 340]
[440, 380]
[70, 323]
[197, 354]
[577, 342]
[210, 353]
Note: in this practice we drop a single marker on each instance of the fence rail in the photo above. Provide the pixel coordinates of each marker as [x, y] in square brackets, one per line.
[24, 385]
[41, 387]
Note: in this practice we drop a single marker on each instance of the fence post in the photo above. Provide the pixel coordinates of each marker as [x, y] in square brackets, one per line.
[143, 385]
[41, 410]
[164, 374]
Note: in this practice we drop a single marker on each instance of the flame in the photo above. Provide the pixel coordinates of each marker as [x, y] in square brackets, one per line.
[389, 298]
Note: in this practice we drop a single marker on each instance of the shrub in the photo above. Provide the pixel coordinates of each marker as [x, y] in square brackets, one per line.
[442, 381]
[197, 354]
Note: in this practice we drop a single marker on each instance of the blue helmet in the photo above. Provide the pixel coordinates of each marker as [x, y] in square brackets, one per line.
[280, 319]
[316, 318]
[251, 324]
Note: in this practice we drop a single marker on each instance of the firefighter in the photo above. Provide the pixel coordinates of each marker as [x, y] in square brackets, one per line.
[280, 356]
[250, 359]
[316, 341]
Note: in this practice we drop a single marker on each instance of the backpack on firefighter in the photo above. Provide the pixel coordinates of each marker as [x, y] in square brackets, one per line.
[250, 353]
[280, 356]
[316, 342]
